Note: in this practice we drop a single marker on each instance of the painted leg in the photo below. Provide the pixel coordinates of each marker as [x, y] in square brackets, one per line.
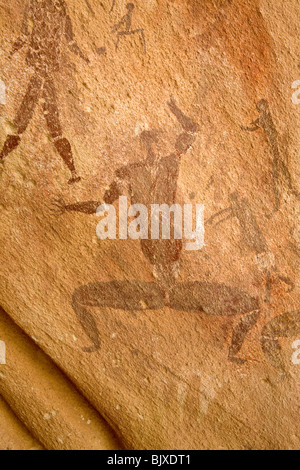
[283, 326]
[123, 295]
[141, 32]
[220, 300]
[276, 190]
[87, 322]
[239, 335]
[64, 149]
[11, 143]
[61, 144]
[118, 41]
[288, 178]
[227, 211]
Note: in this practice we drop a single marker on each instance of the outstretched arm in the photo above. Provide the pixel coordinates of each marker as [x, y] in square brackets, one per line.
[228, 212]
[187, 123]
[255, 126]
[22, 40]
[89, 207]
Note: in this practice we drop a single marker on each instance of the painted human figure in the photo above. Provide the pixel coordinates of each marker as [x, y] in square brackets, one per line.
[154, 181]
[280, 171]
[46, 25]
[253, 236]
[126, 22]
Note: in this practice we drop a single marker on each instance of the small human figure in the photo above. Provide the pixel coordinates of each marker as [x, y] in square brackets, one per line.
[280, 169]
[252, 235]
[126, 21]
[45, 25]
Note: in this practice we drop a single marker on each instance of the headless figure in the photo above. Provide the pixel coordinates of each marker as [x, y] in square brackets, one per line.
[154, 181]
[45, 26]
[265, 122]
[126, 21]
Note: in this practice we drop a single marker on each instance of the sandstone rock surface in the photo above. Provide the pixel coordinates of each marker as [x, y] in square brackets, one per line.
[45, 401]
[13, 435]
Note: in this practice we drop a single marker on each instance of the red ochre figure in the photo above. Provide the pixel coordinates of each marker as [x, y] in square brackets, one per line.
[45, 25]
